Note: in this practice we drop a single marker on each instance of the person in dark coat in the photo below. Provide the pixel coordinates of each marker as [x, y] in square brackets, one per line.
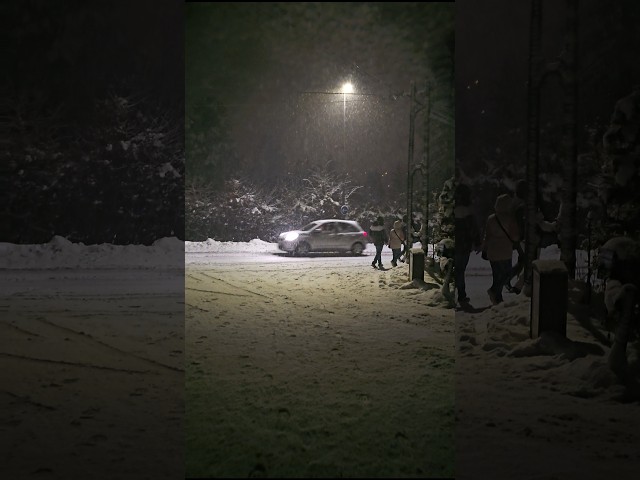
[379, 236]
[467, 238]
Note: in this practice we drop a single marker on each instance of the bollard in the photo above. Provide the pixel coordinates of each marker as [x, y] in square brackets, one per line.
[549, 297]
[416, 264]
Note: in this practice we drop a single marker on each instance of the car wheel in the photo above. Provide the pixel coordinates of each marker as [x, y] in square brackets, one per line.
[303, 248]
[357, 249]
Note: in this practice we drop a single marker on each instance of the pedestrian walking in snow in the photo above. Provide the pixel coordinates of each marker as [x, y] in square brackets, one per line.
[619, 265]
[467, 238]
[500, 238]
[379, 235]
[396, 241]
[545, 235]
[411, 234]
[520, 214]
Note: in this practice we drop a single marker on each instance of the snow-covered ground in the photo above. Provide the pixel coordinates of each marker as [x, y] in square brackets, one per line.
[293, 366]
[91, 355]
[316, 366]
[543, 408]
[540, 408]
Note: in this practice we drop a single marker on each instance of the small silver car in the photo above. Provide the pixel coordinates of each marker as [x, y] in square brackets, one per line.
[325, 236]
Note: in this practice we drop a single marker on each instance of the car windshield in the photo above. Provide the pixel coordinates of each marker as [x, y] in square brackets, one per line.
[311, 226]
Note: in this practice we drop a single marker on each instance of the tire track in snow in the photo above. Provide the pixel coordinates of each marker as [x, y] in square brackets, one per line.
[235, 286]
[215, 291]
[89, 337]
[75, 364]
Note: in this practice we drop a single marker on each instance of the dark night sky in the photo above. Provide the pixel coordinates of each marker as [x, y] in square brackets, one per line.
[259, 60]
[73, 53]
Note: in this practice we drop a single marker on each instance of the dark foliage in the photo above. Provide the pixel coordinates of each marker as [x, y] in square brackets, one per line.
[92, 122]
[241, 210]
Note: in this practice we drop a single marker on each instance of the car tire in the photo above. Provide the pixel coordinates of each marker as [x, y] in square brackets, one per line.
[303, 248]
[357, 249]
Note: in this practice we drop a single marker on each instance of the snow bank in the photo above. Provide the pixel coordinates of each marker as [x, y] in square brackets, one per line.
[575, 365]
[61, 253]
[214, 246]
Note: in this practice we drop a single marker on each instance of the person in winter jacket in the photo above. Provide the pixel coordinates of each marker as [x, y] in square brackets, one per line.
[520, 212]
[619, 264]
[467, 238]
[379, 235]
[396, 241]
[542, 226]
[500, 235]
[417, 229]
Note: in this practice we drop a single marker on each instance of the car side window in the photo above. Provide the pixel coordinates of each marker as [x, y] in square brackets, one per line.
[331, 227]
[347, 228]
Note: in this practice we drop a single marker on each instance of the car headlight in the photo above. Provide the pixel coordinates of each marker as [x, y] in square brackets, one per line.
[290, 237]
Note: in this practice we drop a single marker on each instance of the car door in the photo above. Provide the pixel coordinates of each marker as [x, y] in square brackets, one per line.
[319, 237]
[348, 235]
[325, 237]
[333, 236]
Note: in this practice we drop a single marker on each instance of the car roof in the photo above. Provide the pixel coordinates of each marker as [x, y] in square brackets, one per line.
[336, 220]
[327, 220]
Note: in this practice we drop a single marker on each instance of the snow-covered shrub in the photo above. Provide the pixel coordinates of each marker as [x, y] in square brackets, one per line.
[122, 175]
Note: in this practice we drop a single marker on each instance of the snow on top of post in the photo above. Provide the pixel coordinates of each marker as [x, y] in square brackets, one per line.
[550, 266]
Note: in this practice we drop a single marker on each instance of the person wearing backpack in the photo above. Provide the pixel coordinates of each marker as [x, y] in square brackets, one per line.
[396, 241]
[545, 235]
[501, 236]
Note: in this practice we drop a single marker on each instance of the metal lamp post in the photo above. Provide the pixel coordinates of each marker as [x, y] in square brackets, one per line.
[417, 107]
[346, 88]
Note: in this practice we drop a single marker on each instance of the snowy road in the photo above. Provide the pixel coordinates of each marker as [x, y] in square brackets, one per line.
[315, 366]
[281, 258]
